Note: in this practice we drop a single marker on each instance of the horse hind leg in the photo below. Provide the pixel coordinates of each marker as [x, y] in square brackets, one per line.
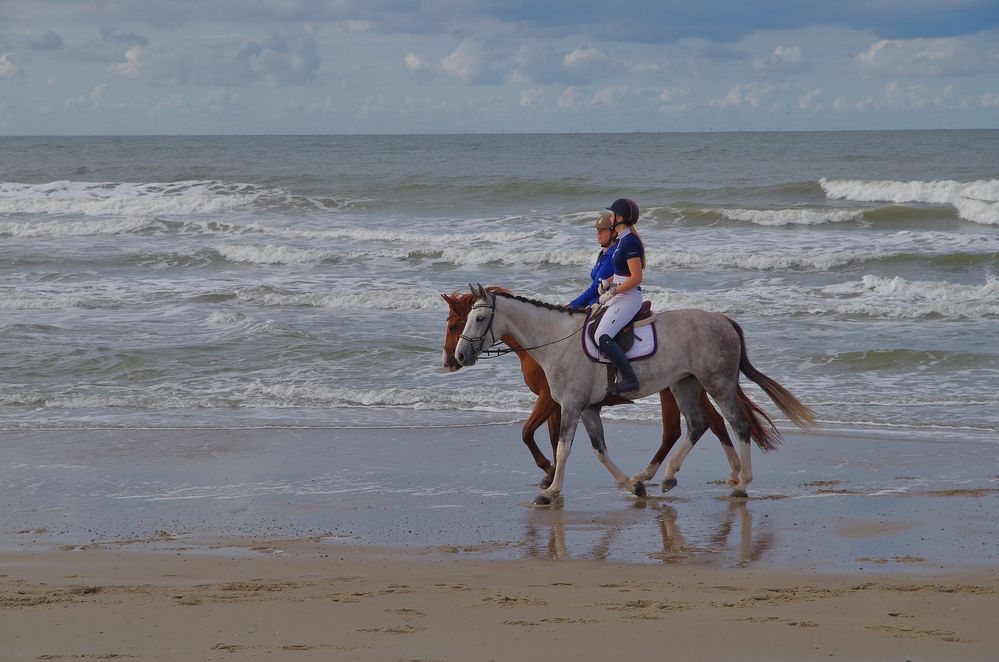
[687, 393]
[595, 430]
[717, 425]
[728, 404]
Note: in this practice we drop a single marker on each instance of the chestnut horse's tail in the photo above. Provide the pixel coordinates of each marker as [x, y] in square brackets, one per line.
[798, 413]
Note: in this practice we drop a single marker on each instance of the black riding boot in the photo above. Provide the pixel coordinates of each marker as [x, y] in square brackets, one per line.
[613, 351]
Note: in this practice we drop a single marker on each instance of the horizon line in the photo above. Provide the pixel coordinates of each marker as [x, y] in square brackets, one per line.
[479, 133]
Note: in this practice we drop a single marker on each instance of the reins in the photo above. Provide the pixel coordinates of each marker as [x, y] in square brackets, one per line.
[490, 353]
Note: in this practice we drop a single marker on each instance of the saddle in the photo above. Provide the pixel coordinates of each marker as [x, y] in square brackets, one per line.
[625, 338]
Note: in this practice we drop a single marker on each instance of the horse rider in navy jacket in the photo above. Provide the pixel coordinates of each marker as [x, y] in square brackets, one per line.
[604, 267]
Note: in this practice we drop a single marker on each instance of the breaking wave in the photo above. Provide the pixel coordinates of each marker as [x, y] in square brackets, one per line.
[776, 217]
[976, 201]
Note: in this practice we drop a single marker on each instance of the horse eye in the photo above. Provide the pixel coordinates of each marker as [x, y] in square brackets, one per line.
[480, 318]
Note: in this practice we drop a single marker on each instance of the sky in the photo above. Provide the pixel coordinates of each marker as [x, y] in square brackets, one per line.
[112, 67]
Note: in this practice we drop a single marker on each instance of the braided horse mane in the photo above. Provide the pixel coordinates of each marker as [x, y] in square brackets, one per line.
[534, 302]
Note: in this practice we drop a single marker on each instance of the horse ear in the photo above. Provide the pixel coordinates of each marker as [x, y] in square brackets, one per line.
[471, 289]
[482, 291]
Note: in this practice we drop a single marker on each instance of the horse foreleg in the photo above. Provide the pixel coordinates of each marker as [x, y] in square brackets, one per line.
[542, 411]
[554, 426]
[687, 392]
[717, 425]
[595, 430]
[570, 419]
[671, 432]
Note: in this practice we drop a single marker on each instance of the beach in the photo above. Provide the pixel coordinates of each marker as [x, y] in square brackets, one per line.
[421, 543]
[226, 434]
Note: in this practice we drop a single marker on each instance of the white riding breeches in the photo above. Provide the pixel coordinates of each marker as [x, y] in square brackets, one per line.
[621, 309]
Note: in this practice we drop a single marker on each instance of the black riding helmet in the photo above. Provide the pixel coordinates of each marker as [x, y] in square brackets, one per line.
[627, 209]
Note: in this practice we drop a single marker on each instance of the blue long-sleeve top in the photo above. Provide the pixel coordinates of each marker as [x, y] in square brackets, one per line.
[604, 268]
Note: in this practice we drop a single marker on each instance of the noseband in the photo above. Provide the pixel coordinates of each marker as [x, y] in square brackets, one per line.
[489, 328]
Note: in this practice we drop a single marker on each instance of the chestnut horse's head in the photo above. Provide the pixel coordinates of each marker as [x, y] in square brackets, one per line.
[460, 305]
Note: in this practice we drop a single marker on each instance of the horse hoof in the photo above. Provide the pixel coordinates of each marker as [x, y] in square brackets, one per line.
[669, 484]
[639, 490]
[545, 483]
[739, 494]
[542, 500]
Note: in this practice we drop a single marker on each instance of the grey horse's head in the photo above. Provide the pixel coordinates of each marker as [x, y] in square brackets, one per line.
[478, 334]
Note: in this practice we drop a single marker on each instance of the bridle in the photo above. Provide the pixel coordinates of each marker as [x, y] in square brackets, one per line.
[489, 328]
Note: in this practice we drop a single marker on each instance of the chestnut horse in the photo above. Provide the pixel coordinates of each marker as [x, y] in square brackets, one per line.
[546, 409]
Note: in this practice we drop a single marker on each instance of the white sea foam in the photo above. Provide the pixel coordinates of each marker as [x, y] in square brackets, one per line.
[224, 319]
[976, 201]
[900, 298]
[38, 301]
[871, 296]
[395, 236]
[108, 226]
[804, 216]
[380, 298]
[124, 198]
[269, 254]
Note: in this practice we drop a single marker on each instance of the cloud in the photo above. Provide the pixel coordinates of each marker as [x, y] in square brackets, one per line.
[933, 57]
[218, 100]
[371, 105]
[111, 36]
[469, 63]
[749, 94]
[989, 100]
[358, 27]
[669, 100]
[807, 102]
[8, 67]
[92, 100]
[48, 41]
[547, 64]
[414, 62]
[273, 61]
[784, 59]
[569, 97]
[916, 96]
[584, 56]
[172, 104]
[607, 96]
[532, 96]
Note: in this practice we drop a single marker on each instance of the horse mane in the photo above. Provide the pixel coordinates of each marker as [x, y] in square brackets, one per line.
[540, 304]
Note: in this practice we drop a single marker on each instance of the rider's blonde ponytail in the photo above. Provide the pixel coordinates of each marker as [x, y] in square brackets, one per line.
[634, 232]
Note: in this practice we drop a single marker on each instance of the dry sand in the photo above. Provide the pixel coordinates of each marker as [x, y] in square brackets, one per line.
[314, 600]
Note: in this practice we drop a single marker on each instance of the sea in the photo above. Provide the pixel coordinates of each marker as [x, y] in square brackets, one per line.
[294, 281]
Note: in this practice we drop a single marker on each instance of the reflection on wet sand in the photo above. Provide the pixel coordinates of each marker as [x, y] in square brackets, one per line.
[550, 534]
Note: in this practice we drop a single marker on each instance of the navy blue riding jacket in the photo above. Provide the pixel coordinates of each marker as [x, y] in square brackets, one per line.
[628, 246]
[604, 268]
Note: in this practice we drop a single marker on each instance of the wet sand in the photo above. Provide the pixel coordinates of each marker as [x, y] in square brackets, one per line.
[421, 544]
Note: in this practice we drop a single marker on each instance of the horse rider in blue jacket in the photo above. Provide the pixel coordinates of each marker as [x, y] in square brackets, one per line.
[604, 267]
[623, 298]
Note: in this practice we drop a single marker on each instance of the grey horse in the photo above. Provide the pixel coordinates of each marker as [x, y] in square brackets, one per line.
[696, 349]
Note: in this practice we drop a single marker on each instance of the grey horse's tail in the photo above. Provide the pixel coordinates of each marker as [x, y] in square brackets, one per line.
[799, 414]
